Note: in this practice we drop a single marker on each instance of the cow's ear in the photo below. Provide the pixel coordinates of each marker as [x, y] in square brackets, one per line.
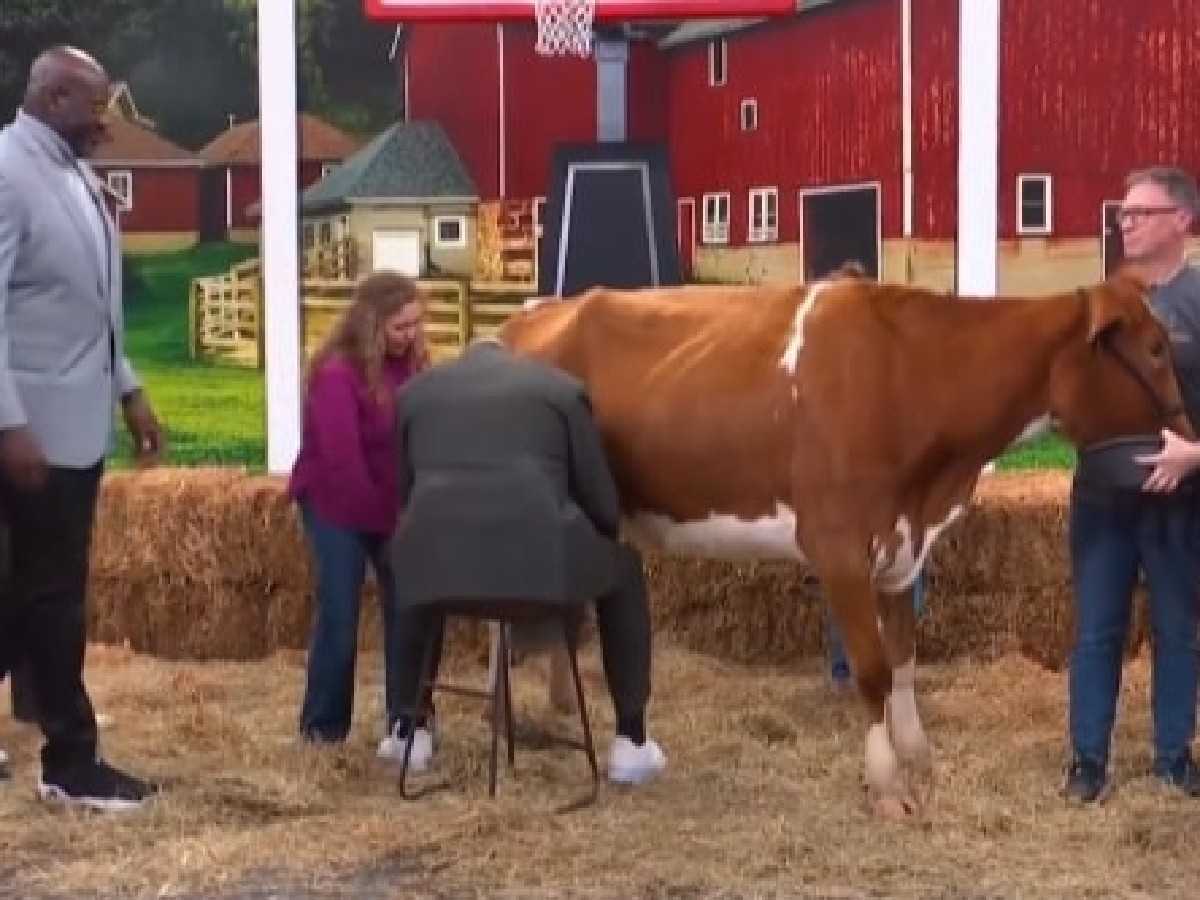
[1104, 309]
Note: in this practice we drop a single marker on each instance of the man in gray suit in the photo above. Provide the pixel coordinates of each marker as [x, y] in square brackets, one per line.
[62, 372]
[506, 494]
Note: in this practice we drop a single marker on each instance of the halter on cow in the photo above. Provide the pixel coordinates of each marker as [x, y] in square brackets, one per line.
[845, 423]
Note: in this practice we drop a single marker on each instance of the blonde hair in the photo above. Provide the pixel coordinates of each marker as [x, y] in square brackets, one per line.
[358, 335]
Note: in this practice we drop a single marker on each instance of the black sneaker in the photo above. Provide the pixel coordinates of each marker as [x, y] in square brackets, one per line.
[1087, 781]
[1181, 775]
[96, 785]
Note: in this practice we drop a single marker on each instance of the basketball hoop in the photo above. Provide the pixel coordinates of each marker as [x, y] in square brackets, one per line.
[564, 27]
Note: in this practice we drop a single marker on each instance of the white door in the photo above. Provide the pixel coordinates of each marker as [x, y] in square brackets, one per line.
[398, 250]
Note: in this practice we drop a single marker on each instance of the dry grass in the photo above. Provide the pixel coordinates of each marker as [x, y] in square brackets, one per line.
[762, 798]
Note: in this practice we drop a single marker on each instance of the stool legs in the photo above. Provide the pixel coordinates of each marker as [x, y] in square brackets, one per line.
[571, 636]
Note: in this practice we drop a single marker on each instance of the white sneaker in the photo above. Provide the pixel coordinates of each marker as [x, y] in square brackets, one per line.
[391, 748]
[629, 763]
[3, 758]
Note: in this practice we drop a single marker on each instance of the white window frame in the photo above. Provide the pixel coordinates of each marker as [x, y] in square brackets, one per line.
[1048, 183]
[716, 231]
[461, 241]
[309, 236]
[748, 108]
[718, 47]
[327, 167]
[763, 207]
[124, 197]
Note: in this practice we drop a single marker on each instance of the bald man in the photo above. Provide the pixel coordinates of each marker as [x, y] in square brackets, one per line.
[62, 373]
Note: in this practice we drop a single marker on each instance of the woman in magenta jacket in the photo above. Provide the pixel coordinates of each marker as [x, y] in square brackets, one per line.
[344, 480]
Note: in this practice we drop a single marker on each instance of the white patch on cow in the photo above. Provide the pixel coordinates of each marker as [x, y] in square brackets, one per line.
[535, 302]
[895, 571]
[791, 354]
[882, 768]
[795, 393]
[907, 733]
[1036, 428]
[722, 536]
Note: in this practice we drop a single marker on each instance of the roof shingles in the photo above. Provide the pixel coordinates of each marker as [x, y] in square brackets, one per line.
[408, 161]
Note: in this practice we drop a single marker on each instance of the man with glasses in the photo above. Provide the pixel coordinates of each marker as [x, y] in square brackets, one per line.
[1117, 532]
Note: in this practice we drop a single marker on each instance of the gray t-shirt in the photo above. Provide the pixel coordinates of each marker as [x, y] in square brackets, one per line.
[1177, 305]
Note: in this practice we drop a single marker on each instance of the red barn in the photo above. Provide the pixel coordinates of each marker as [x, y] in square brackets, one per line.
[787, 137]
[233, 182]
[155, 186]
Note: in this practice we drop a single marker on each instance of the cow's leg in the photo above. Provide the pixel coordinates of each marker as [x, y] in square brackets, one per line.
[908, 736]
[853, 600]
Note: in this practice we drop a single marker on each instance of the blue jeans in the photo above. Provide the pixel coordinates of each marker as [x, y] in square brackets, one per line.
[341, 556]
[1110, 542]
[835, 649]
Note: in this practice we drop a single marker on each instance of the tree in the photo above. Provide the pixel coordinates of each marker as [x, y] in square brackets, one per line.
[345, 74]
[29, 26]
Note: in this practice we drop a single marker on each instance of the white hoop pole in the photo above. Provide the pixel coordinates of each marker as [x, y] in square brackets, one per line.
[280, 248]
[978, 146]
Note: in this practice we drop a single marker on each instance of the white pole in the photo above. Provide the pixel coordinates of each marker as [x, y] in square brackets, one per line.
[280, 248]
[978, 145]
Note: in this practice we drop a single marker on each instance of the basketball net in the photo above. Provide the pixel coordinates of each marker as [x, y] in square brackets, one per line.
[564, 26]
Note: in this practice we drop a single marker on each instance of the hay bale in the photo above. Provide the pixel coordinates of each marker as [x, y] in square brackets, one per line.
[211, 563]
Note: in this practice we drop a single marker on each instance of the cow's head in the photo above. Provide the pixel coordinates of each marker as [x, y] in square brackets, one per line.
[1119, 380]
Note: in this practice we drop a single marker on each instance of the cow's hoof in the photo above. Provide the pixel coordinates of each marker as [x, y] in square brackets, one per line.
[894, 808]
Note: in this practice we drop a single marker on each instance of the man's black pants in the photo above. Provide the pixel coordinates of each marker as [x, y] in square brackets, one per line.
[622, 617]
[43, 620]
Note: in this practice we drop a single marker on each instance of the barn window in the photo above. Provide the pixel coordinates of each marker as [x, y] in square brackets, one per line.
[764, 215]
[716, 218]
[310, 236]
[718, 57]
[1034, 204]
[749, 116]
[327, 167]
[450, 231]
[325, 230]
[120, 182]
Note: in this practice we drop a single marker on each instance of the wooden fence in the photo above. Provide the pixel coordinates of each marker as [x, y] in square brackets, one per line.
[225, 317]
[226, 313]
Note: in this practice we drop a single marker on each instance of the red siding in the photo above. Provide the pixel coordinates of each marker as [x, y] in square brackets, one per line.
[163, 200]
[548, 100]
[1092, 89]
[648, 100]
[453, 78]
[247, 189]
[828, 91]
[935, 119]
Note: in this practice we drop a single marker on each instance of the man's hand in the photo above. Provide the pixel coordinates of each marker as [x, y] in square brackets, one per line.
[22, 460]
[1178, 458]
[147, 434]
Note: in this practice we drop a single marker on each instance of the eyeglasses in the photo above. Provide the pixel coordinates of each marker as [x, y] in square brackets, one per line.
[1132, 215]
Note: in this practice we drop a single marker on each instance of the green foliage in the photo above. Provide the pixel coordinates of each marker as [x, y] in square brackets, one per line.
[192, 63]
[1048, 451]
[214, 415]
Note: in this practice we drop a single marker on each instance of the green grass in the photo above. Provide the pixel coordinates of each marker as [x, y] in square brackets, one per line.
[214, 415]
[1046, 452]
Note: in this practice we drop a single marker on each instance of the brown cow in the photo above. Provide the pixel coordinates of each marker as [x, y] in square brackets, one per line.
[845, 422]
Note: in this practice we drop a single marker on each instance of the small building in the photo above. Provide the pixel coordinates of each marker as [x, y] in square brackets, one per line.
[404, 202]
[154, 184]
[233, 182]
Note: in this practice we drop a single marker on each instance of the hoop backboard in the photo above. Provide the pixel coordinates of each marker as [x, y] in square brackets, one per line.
[606, 10]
